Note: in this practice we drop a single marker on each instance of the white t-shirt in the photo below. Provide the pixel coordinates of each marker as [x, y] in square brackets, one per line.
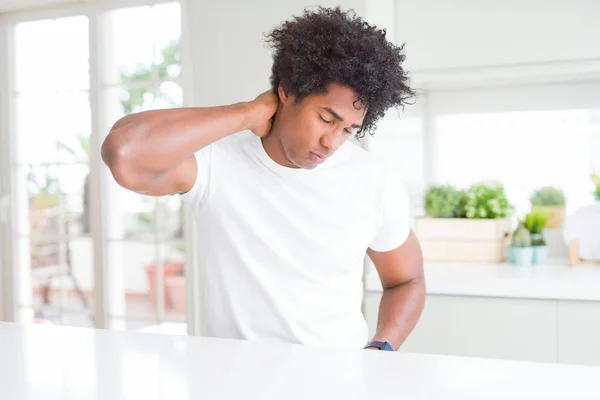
[282, 249]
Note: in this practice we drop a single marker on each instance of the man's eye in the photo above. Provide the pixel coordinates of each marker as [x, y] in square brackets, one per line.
[324, 120]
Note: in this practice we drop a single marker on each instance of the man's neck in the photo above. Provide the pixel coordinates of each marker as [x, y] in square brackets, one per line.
[273, 147]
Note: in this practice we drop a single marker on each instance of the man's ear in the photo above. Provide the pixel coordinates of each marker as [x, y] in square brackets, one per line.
[283, 97]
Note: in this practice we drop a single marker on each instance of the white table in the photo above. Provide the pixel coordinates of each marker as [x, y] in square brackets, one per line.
[46, 362]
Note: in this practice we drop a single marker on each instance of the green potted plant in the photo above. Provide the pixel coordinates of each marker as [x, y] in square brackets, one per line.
[487, 201]
[535, 222]
[550, 200]
[444, 201]
[465, 225]
[521, 251]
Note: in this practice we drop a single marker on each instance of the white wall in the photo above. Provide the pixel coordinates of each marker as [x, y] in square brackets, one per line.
[443, 34]
[231, 60]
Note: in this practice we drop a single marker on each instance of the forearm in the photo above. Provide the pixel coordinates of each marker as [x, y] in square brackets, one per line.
[399, 311]
[158, 140]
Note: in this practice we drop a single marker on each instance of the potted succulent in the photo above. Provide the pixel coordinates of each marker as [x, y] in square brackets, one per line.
[550, 200]
[465, 225]
[535, 222]
[520, 250]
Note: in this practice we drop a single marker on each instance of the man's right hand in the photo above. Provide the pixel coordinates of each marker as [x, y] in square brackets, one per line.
[264, 109]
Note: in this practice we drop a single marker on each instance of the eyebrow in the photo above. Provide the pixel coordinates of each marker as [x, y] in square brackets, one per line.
[336, 116]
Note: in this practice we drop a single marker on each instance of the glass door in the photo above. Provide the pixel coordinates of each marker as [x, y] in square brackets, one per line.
[135, 55]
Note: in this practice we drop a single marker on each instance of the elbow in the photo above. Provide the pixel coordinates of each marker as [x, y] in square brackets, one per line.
[116, 141]
[109, 151]
[116, 161]
[117, 155]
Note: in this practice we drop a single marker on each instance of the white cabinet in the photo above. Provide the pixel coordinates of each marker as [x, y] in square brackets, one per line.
[579, 332]
[506, 328]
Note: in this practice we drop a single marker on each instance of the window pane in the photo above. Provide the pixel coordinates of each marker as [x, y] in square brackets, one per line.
[135, 99]
[523, 150]
[151, 51]
[167, 23]
[51, 124]
[399, 143]
[62, 277]
[132, 42]
[167, 56]
[135, 288]
[52, 55]
[56, 190]
[40, 186]
[169, 95]
[143, 218]
[74, 184]
[54, 247]
[142, 230]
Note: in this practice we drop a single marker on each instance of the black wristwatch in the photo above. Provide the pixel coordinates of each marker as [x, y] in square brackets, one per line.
[380, 345]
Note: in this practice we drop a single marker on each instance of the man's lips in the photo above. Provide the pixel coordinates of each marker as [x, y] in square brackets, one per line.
[318, 156]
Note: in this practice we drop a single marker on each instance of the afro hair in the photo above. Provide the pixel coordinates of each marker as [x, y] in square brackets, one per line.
[331, 45]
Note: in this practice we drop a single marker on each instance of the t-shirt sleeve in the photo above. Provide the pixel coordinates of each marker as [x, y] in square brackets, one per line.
[199, 193]
[395, 215]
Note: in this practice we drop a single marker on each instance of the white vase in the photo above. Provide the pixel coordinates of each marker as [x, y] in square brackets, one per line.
[583, 226]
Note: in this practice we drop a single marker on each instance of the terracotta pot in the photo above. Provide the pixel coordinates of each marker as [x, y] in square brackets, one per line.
[176, 290]
[169, 269]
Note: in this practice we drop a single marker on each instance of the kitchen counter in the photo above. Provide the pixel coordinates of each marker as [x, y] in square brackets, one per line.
[552, 281]
[63, 363]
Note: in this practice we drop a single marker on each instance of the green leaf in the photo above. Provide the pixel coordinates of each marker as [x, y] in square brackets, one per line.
[548, 196]
[444, 201]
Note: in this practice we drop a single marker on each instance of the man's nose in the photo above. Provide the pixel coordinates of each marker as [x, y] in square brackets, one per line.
[333, 140]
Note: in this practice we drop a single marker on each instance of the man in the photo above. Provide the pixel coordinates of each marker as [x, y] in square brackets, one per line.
[286, 206]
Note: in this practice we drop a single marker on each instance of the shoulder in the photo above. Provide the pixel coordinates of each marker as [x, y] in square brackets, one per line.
[234, 141]
[355, 160]
[229, 147]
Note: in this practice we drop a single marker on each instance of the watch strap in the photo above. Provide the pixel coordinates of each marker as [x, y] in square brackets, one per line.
[380, 345]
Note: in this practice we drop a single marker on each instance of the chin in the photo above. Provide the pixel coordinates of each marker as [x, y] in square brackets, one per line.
[310, 166]
[303, 164]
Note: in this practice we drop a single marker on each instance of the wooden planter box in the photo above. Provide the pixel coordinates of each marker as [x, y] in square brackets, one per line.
[462, 239]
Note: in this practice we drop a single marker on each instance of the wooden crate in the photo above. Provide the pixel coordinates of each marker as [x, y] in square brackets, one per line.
[462, 239]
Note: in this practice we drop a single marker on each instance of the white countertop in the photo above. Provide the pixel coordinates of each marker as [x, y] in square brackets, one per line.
[555, 281]
[58, 363]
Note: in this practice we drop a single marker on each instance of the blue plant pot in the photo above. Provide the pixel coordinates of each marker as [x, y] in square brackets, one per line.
[540, 254]
[509, 255]
[522, 255]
